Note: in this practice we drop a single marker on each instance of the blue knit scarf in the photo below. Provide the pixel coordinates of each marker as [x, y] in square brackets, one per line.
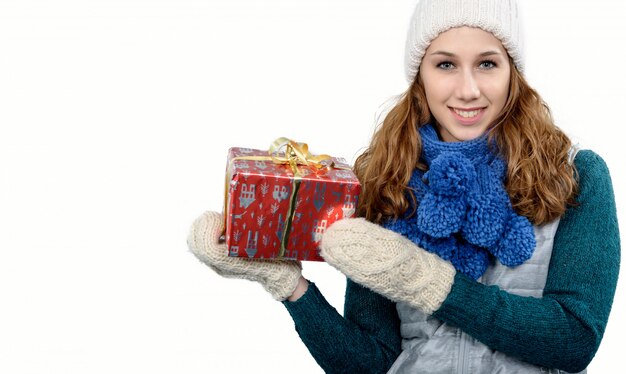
[464, 214]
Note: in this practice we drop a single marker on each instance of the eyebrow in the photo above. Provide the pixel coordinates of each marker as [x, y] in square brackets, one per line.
[450, 54]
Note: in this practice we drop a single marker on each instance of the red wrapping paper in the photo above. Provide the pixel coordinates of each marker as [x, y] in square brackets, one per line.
[259, 197]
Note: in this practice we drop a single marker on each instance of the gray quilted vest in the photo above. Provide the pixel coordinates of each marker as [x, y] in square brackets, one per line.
[430, 346]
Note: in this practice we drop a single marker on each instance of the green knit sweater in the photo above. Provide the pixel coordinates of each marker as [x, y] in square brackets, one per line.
[563, 329]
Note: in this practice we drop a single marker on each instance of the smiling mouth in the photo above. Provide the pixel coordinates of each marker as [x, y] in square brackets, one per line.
[467, 113]
[469, 116]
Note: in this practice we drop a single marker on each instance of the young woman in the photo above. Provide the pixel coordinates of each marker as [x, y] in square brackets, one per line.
[486, 242]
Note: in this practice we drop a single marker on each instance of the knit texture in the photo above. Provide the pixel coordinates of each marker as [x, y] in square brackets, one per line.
[387, 263]
[464, 213]
[278, 277]
[432, 17]
[563, 329]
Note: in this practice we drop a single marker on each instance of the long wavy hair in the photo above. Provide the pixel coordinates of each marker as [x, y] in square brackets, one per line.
[541, 180]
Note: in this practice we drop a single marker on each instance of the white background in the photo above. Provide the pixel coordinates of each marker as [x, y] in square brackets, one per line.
[115, 119]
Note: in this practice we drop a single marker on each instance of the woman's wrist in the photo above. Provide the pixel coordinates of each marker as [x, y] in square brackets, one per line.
[301, 288]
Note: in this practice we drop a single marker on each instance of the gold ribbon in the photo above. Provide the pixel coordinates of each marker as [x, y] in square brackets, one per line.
[287, 152]
[294, 154]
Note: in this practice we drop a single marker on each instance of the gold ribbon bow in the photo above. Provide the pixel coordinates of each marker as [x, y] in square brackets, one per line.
[294, 154]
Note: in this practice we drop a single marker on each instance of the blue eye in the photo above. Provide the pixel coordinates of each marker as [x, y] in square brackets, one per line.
[487, 65]
[446, 65]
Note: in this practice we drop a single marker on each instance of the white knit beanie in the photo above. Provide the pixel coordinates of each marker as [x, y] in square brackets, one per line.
[432, 17]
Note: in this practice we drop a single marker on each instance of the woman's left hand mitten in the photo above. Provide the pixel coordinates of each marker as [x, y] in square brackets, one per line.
[387, 263]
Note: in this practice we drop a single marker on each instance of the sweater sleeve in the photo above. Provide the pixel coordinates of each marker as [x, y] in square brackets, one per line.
[563, 329]
[366, 340]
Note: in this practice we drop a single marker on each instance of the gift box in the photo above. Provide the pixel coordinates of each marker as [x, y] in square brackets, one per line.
[280, 201]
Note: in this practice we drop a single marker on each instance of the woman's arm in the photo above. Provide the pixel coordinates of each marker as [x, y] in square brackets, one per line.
[367, 340]
[563, 329]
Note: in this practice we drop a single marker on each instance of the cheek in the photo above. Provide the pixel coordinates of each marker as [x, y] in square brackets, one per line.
[505, 86]
[498, 93]
[504, 93]
[437, 91]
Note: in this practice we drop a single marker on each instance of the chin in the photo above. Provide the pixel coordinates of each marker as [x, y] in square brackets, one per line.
[470, 135]
[452, 131]
[463, 135]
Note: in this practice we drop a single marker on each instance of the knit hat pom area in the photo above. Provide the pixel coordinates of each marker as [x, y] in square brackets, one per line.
[432, 17]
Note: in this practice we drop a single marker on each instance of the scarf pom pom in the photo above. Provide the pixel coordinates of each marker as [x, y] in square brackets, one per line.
[486, 220]
[442, 209]
[440, 216]
[450, 174]
[518, 243]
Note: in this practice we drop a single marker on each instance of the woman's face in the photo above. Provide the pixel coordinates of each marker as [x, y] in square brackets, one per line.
[466, 76]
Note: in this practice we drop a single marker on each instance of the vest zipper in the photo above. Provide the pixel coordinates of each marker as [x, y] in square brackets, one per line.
[463, 354]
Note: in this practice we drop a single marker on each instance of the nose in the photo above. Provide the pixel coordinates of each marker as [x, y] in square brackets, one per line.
[468, 86]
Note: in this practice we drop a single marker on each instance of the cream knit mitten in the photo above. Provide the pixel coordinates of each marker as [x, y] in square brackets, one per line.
[278, 277]
[388, 263]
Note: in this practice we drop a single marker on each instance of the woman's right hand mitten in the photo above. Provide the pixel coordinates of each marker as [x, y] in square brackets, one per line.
[278, 277]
